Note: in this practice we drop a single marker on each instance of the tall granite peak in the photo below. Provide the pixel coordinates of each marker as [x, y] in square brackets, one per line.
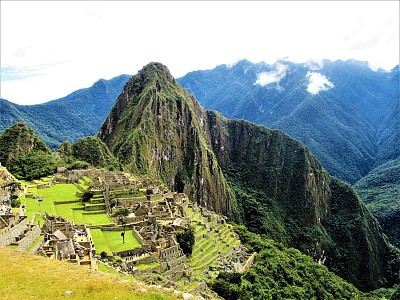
[254, 175]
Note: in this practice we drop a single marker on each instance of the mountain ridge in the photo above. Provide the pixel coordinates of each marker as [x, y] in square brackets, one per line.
[277, 96]
[69, 118]
[240, 168]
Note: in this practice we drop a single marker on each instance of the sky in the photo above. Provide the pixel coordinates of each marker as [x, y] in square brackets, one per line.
[52, 48]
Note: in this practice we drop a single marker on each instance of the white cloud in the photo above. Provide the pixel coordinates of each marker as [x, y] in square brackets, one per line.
[231, 65]
[317, 83]
[315, 65]
[266, 78]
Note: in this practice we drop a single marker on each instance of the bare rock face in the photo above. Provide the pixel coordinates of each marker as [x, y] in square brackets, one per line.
[257, 176]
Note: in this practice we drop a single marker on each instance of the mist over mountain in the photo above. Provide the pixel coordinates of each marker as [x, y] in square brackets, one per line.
[69, 118]
[346, 113]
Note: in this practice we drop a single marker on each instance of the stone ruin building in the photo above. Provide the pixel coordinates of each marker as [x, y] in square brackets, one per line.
[64, 240]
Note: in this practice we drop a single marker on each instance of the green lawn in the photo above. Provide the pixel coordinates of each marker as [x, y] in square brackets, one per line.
[66, 211]
[96, 219]
[100, 242]
[111, 241]
[58, 192]
[146, 266]
[114, 240]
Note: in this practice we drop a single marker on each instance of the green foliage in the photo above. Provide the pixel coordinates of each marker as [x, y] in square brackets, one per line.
[65, 150]
[78, 165]
[257, 212]
[34, 165]
[15, 202]
[281, 273]
[93, 151]
[121, 212]
[16, 141]
[396, 294]
[180, 179]
[355, 245]
[186, 240]
[380, 190]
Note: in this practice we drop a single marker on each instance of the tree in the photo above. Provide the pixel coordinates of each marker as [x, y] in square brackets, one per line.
[186, 240]
[34, 165]
[123, 211]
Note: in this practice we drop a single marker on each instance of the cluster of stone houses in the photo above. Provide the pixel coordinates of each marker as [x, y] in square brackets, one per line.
[64, 240]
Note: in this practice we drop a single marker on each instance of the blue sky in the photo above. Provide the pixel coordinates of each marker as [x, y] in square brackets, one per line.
[52, 48]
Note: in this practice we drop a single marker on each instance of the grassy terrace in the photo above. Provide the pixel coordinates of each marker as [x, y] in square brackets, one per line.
[146, 266]
[61, 200]
[206, 249]
[111, 241]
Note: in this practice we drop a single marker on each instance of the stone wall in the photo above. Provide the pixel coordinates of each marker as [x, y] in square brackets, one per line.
[8, 234]
[30, 236]
[138, 236]
[95, 207]
[248, 263]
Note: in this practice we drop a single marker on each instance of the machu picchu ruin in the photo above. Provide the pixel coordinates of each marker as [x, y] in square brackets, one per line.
[74, 216]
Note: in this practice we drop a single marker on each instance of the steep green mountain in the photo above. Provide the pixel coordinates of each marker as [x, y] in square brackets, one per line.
[19, 140]
[380, 190]
[157, 128]
[77, 115]
[95, 152]
[346, 113]
[24, 154]
[257, 176]
[27, 156]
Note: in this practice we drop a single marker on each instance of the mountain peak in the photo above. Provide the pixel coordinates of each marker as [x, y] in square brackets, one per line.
[155, 70]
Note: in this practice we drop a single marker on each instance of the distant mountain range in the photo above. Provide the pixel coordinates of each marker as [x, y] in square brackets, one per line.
[346, 113]
[69, 118]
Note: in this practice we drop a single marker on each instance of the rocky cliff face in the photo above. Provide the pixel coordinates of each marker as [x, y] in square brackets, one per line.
[286, 194]
[255, 175]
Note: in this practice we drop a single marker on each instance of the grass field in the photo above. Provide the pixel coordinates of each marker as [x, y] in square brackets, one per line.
[100, 242]
[73, 210]
[95, 219]
[111, 241]
[27, 276]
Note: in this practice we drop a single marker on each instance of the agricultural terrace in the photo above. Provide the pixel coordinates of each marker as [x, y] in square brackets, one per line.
[61, 199]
